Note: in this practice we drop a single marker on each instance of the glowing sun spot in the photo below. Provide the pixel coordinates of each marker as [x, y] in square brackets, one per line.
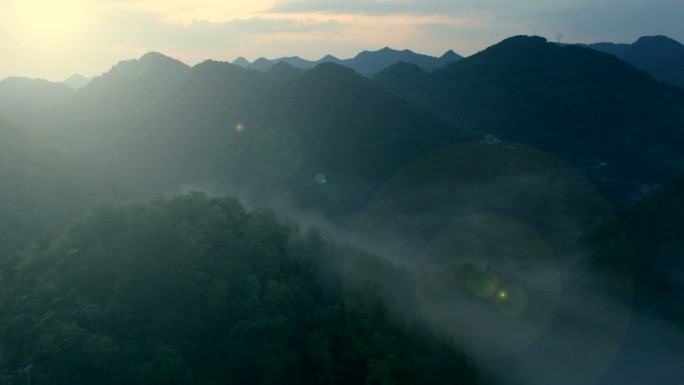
[47, 22]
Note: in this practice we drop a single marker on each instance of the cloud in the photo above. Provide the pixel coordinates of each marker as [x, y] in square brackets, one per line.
[425, 7]
[580, 20]
[193, 31]
[348, 7]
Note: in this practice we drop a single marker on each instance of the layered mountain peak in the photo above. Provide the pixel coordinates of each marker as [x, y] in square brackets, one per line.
[573, 102]
[76, 81]
[450, 55]
[241, 61]
[151, 62]
[521, 45]
[328, 58]
[660, 56]
[330, 73]
[217, 68]
[285, 71]
[131, 84]
[658, 41]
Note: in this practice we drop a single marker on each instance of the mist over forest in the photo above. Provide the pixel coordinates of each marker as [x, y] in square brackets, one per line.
[511, 217]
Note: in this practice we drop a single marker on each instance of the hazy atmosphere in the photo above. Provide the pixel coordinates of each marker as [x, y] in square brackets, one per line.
[389, 192]
[55, 39]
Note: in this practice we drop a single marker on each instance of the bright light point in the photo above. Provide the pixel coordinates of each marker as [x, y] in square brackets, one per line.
[239, 127]
[512, 300]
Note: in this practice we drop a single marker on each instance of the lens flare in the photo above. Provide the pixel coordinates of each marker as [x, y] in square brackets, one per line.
[512, 301]
[320, 178]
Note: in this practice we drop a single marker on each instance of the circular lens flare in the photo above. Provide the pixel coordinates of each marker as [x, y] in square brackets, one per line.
[512, 301]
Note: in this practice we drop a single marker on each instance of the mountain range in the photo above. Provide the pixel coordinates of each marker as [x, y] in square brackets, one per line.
[366, 63]
[658, 55]
[549, 163]
[596, 112]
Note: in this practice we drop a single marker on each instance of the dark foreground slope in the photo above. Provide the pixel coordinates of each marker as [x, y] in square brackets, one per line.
[599, 114]
[656, 229]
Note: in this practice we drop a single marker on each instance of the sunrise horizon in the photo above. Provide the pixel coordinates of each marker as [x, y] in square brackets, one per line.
[55, 40]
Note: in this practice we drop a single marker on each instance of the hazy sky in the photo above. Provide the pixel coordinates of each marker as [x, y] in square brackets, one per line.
[55, 38]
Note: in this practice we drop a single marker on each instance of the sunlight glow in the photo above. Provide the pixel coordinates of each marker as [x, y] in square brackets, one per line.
[188, 11]
[48, 23]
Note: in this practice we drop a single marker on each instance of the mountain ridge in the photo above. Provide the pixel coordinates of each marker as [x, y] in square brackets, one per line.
[366, 63]
[660, 56]
[568, 100]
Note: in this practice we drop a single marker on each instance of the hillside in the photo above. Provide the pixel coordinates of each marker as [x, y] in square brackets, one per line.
[660, 56]
[656, 226]
[599, 114]
[263, 137]
[197, 290]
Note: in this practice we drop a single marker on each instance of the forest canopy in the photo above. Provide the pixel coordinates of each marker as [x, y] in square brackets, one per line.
[194, 289]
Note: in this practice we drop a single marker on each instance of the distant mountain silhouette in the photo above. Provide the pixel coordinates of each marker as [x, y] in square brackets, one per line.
[162, 126]
[136, 82]
[76, 81]
[594, 111]
[25, 101]
[366, 63]
[129, 87]
[285, 71]
[241, 61]
[660, 56]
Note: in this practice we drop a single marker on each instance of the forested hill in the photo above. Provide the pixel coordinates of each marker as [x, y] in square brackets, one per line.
[161, 126]
[656, 229]
[196, 290]
[661, 56]
[596, 112]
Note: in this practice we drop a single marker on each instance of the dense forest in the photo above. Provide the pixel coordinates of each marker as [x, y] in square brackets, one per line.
[513, 217]
[195, 289]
